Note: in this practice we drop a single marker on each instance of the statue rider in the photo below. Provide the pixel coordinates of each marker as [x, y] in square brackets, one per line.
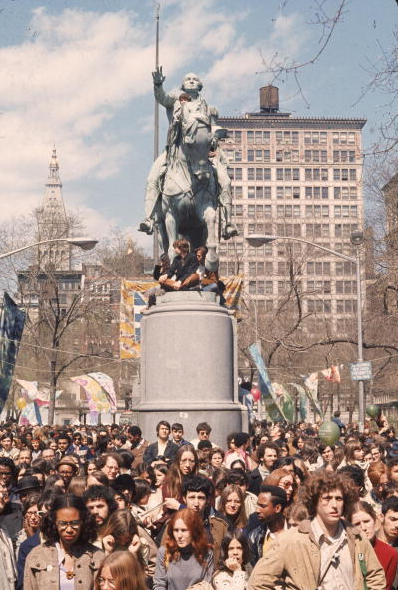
[185, 113]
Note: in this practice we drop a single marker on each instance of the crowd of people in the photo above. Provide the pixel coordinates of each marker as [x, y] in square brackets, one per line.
[102, 507]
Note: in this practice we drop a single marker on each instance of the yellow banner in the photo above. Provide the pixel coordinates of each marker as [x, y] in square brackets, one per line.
[133, 299]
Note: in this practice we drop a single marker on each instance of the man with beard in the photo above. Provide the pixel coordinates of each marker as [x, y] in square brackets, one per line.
[100, 501]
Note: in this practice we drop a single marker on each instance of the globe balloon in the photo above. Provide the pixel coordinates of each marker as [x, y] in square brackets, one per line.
[329, 433]
[372, 410]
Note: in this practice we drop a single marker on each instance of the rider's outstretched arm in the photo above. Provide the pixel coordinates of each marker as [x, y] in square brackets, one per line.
[166, 100]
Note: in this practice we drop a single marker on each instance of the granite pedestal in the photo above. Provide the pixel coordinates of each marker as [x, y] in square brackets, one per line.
[189, 366]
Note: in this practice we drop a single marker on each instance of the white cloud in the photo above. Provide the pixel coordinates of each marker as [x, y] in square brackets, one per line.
[71, 78]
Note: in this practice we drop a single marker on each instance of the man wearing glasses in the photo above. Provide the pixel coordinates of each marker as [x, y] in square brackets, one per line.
[323, 552]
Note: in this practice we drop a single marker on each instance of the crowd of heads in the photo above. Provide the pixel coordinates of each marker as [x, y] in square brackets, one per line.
[82, 484]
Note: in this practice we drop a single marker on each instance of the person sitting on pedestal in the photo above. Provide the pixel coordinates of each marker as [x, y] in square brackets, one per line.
[184, 265]
[202, 278]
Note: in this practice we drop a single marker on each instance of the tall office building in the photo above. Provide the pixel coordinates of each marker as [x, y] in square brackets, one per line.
[296, 177]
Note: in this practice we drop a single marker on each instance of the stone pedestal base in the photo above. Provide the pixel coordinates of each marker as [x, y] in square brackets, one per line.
[189, 366]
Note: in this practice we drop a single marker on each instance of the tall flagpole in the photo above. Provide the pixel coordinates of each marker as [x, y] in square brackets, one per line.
[156, 132]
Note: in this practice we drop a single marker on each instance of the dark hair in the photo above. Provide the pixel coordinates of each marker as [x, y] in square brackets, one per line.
[238, 477]
[101, 493]
[203, 444]
[100, 476]
[87, 529]
[48, 496]
[101, 461]
[278, 495]
[225, 543]
[124, 482]
[64, 436]
[142, 489]
[390, 503]
[197, 483]
[126, 457]
[31, 500]
[134, 431]
[203, 426]
[144, 468]
[267, 445]
[177, 426]
[355, 473]
[162, 423]
[238, 464]
[49, 484]
[7, 435]
[121, 437]
[7, 462]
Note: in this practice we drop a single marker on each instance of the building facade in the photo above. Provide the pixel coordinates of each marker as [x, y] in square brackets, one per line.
[296, 177]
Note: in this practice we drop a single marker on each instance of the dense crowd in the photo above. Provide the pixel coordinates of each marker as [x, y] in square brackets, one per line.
[102, 507]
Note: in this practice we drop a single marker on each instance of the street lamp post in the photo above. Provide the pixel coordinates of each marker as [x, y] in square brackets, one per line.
[357, 238]
[84, 244]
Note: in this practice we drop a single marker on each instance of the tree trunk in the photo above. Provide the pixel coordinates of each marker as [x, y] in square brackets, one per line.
[53, 390]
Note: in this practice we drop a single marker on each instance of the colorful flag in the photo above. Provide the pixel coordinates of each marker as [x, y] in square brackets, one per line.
[30, 415]
[133, 299]
[97, 399]
[285, 401]
[311, 385]
[303, 400]
[106, 383]
[267, 393]
[11, 327]
[332, 374]
[233, 291]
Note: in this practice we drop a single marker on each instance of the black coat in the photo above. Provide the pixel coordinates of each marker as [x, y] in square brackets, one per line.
[24, 550]
[255, 481]
[182, 268]
[151, 453]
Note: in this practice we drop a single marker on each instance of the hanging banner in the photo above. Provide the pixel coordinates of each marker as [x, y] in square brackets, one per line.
[30, 415]
[106, 383]
[133, 299]
[303, 401]
[285, 401]
[311, 385]
[11, 327]
[233, 292]
[41, 398]
[267, 394]
[332, 374]
[96, 396]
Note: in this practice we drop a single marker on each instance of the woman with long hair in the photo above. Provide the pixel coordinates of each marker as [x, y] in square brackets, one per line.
[121, 533]
[186, 558]
[185, 463]
[120, 571]
[282, 478]
[67, 558]
[364, 517]
[234, 569]
[232, 507]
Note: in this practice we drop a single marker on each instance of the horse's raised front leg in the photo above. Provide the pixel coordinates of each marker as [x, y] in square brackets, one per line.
[209, 216]
[171, 229]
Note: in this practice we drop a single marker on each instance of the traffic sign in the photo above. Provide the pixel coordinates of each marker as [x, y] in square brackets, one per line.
[361, 371]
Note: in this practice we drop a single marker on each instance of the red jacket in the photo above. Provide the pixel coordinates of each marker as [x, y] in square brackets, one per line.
[388, 558]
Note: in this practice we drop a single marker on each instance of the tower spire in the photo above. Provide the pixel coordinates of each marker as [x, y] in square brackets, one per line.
[53, 220]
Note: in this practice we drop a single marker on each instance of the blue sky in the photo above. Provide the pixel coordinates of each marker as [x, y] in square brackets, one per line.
[77, 74]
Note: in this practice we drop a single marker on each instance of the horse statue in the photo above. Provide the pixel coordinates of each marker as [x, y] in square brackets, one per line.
[189, 180]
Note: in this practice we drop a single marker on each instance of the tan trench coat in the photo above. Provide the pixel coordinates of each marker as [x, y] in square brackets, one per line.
[294, 557]
[42, 570]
